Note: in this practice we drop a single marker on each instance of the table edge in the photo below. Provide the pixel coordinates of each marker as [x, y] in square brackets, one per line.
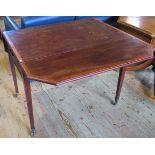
[14, 51]
[91, 74]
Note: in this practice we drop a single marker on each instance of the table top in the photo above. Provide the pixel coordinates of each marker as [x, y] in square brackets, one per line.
[65, 52]
[145, 24]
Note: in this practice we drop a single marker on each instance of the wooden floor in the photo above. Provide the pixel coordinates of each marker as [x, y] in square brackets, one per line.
[79, 109]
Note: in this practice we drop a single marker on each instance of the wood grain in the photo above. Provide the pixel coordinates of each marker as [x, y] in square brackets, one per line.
[144, 24]
[139, 26]
[61, 53]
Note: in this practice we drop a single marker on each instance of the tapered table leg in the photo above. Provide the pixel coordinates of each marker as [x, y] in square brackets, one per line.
[13, 73]
[0, 35]
[153, 69]
[28, 95]
[120, 83]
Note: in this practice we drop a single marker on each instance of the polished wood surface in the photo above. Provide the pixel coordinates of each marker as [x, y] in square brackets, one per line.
[64, 52]
[143, 23]
[142, 27]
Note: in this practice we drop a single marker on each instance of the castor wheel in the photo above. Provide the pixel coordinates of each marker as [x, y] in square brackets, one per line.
[33, 131]
[153, 68]
[16, 94]
[116, 101]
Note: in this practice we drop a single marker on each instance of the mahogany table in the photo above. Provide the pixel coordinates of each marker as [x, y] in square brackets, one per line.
[60, 53]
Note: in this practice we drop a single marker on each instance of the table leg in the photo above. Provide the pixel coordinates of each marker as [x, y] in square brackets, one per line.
[153, 69]
[120, 83]
[13, 73]
[28, 95]
[0, 35]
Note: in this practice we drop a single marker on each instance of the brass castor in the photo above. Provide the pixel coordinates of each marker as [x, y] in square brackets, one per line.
[116, 101]
[33, 131]
[16, 94]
